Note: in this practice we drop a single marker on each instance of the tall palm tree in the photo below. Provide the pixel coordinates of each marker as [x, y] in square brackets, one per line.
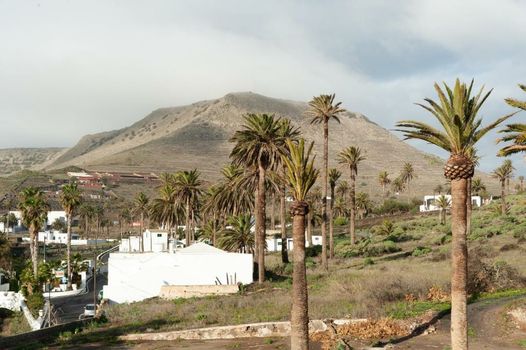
[502, 174]
[351, 157]
[323, 109]
[477, 186]
[408, 173]
[334, 176]
[70, 198]
[188, 188]
[456, 111]
[259, 145]
[33, 207]
[508, 165]
[384, 180]
[86, 212]
[166, 210]
[141, 207]
[238, 236]
[301, 176]
[443, 203]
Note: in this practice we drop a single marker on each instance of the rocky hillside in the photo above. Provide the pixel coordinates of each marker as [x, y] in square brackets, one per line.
[17, 159]
[196, 136]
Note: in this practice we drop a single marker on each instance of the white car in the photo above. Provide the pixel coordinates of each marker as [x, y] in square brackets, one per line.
[89, 311]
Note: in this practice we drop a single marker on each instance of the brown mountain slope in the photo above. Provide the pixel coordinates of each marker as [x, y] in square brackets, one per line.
[17, 159]
[196, 136]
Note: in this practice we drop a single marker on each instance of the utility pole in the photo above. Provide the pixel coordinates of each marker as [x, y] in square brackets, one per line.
[95, 276]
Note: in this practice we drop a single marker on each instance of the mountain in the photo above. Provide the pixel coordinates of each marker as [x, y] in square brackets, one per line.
[196, 136]
[17, 159]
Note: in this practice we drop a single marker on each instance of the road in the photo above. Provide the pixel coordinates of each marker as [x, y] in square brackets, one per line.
[69, 308]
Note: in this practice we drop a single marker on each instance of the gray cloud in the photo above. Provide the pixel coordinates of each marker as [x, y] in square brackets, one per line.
[68, 68]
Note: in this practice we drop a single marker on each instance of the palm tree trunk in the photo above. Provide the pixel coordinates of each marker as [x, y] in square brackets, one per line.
[272, 213]
[324, 261]
[459, 261]
[33, 246]
[299, 318]
[331, 225]
[309, 229]
[260, 224]
[469, 207]
[283, 223]
[70, 274]
[352, 216]
[503, 197]
[187, 235]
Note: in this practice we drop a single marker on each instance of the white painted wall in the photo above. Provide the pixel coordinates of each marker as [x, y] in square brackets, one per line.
[51, 216]
[138, 276]
[274, 244]
[429, 201]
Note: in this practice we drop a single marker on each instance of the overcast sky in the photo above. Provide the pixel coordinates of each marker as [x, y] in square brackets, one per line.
[68, 68]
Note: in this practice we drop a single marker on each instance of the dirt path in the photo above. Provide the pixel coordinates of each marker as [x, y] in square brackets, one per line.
[489, 328]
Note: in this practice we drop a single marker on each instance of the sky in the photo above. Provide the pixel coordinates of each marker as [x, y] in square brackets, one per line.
[70, 68]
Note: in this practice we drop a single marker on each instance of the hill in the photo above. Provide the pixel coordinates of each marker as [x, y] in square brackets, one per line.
[196, 136]
[16, 159]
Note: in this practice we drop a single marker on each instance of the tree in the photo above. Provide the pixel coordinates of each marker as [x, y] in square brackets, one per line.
[398, 185]
[477, 186]
[70, 199]
[33, 207]
[384, 180]
[502, 174]
[351, 157]
[141, 207]
[456, 111]
[323, 109]
[363, 203]
[438, 189]
[238, 236]
[301, 176]
[86, 211]
[59, 225]
[516, 103]
[334, 176]
[508, 165]
[343, 189]
[259, 145]
[443, 203]
[408, 173]
[521, 186]
[188, 189]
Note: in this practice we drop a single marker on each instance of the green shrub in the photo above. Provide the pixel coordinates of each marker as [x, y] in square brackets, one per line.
[35, 302]
[313, 251]
[418, 251]
[341, 221]
[368, 261]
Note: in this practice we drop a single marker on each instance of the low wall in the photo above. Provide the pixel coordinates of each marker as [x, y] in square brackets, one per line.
[10, 300]
[173, 292]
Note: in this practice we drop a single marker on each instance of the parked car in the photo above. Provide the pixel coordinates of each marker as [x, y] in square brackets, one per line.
[89, 311]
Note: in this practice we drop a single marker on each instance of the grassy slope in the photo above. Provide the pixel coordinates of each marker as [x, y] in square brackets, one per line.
[354, 288]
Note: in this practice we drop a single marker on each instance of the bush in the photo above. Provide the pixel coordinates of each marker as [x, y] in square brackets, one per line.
[418, 251]
[392, 206]
[313, 251]
[35, 302]
[492, 276]
[341, 221]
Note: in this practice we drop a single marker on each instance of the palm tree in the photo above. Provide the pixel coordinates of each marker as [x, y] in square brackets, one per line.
[301, 176]
[443, 203]
[352, 156]
[141, 207]
[188, 189]
[456, 112]
[259, 146]
[408, 173]
[166, 210]
[516, 134]
[516, 103]
[334, 176]
[508, 165]
[86, 212]
[502, 174]
[398, 185]
[363, 203]
[33, 207]
[70, 198]
[322, 109]
[384, 180]
[477, 186]
[238, 237]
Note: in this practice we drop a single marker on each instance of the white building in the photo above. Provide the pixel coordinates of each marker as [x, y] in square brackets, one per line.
[154, 240]
[4, 285]
[51, 216]
[134, 277]
[54, 237]
[274, 244]
[429, 203]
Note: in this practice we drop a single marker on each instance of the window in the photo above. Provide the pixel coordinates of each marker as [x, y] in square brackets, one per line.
[159, 235]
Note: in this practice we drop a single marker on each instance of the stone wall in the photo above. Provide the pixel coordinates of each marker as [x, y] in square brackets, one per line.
[173, 292]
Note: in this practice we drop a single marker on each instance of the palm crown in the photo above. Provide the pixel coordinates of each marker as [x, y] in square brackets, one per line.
[301, 173]
[322, 108]
[351, 156]
[70, 198]
[33, 207]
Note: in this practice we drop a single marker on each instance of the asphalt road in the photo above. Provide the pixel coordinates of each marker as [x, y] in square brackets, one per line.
[69, 308]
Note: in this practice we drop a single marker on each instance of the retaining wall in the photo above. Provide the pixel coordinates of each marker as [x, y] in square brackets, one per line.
[173, 292]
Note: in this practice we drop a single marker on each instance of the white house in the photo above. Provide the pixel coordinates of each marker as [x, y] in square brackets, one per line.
[274, 244]
[50, 237]
[51, 216]
[429, 202]
[154, 240]
[134, 277]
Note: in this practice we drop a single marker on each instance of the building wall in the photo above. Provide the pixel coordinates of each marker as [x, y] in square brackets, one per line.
[274, 244]
[134, 277]
[174, 292]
